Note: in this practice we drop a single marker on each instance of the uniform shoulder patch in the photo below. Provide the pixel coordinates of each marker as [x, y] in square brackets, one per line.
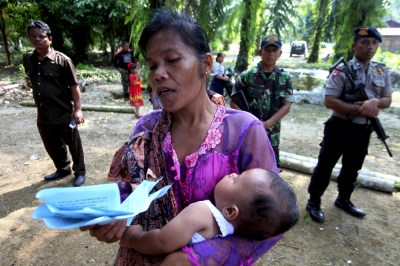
[335, 73]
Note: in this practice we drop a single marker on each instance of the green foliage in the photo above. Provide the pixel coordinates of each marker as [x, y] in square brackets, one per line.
[389, 59]
[349, 14]
[282, 17]
[93, 74]
[83, 22]
[322, 10]
[248, 33]
[81, 66]
[14, 18]
[144, 73]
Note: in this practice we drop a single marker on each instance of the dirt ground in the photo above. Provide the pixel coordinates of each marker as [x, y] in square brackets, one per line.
[341, 240]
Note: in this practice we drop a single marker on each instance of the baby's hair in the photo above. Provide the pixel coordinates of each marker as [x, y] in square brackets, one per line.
[272, 211]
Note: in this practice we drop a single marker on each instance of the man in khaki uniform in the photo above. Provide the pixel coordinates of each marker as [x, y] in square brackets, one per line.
[345, 135]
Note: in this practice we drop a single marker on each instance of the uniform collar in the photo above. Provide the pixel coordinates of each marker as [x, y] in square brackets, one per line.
[51, 55]
[260, 71]
[358, 65]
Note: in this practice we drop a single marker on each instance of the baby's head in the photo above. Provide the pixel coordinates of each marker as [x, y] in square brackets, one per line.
[258, 203]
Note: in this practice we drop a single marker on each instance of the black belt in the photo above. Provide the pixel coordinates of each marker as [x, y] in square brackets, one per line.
[348, 123]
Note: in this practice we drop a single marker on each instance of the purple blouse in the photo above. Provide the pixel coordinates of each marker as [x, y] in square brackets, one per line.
[236, 141]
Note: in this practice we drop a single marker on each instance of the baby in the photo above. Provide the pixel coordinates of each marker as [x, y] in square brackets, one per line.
[256, 204]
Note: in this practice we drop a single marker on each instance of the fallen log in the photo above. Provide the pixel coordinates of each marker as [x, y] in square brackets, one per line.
[96, 108]
[339, 166]
[376, 183]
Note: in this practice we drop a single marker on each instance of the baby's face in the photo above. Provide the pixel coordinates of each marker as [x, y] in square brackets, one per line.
[234, 189]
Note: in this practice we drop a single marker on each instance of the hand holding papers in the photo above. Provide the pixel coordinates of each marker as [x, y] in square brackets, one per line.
[68, 208]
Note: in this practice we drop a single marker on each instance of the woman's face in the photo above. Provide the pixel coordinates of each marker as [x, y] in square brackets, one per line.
[175, 71]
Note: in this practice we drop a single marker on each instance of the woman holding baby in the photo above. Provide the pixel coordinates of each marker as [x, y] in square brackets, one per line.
[193, 143]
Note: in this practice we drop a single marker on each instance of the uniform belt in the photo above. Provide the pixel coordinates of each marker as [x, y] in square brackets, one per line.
[348, 123]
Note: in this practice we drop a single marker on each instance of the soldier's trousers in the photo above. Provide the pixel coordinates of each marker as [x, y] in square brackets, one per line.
[125, 80]
[341, 138]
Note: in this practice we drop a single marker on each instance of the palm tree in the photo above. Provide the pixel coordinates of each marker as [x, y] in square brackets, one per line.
[322, 11]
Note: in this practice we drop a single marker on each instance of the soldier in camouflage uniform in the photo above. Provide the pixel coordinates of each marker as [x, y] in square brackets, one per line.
[265, 85]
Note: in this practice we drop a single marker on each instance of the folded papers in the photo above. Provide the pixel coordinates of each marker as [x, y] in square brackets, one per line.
[73, 207]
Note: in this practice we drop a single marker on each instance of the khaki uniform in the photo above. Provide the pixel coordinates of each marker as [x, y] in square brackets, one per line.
[376, 78]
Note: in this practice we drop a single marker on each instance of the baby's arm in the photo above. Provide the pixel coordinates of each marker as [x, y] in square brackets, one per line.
[174, 235]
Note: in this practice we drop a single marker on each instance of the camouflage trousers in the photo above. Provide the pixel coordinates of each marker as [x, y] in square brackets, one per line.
[125, 80]
[274, 134]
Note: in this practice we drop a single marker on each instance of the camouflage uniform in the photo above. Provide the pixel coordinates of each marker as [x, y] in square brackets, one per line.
[125, 80]
[257, 88]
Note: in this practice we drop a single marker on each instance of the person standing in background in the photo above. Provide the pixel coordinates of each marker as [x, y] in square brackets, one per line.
[219, 80]
[348, 137]
[135, 89]
[268, 90]
[58, 101]
[122, 58]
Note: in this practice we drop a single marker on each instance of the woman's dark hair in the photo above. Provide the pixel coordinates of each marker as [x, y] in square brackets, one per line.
[40, 25]
[191, 32]
[271, 212]
[218, 56]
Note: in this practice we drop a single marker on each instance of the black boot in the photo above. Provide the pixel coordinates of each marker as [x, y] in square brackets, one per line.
[57, 174]
[315, 212]
[347, 206]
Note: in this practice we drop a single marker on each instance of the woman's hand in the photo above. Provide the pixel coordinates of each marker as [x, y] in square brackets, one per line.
[108, 233]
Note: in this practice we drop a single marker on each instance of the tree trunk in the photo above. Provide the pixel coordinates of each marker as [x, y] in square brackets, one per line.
[245, 39]
[112, 44]
[5, 38]
[319, 27]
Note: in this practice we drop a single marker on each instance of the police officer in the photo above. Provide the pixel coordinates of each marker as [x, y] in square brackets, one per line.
[348, 136]
[268, 90]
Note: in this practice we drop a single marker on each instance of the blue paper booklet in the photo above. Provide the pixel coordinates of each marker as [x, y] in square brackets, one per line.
[73, 207]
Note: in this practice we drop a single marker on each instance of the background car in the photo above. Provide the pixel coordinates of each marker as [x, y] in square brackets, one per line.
[299, 47]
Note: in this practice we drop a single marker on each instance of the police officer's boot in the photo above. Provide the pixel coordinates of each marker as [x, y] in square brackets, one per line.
[346, 205]
[314, 209]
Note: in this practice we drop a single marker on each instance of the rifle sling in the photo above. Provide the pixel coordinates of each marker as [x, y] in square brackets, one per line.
[271, 111]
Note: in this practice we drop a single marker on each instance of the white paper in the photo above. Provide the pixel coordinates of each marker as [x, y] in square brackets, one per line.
[67, 208]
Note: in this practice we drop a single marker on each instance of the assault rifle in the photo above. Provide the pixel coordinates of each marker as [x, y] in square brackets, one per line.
[359, 94]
